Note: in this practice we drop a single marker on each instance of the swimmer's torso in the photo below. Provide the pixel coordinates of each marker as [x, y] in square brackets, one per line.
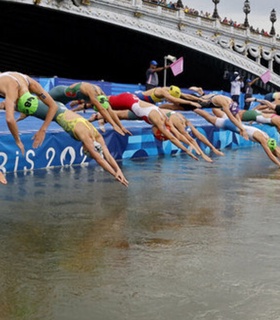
[20, 80]
[123, 101]
[149, 96]
[66, 94]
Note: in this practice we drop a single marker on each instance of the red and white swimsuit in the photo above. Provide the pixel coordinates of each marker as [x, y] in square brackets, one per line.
[129, 101]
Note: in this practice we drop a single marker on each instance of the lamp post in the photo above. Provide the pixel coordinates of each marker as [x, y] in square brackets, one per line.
[170, 58]
[215, 13]
[272, 19]
[246, 10]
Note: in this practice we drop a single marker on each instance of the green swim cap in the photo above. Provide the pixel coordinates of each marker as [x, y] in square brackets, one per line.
[103, 101]
[28, 103]
[272, 144]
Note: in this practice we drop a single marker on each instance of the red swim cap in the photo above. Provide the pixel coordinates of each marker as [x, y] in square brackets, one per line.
[159, 135]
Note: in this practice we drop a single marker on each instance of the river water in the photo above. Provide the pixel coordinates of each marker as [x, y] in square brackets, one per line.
[186, 240]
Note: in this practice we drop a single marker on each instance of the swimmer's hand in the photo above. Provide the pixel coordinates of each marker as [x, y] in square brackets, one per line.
[126, 131]
[206, 158]
[218, 152]
[195, 104]
[121, 178]
[38, 138]
[192, 155]
[119, 130]
[2, 178]
[21, 146]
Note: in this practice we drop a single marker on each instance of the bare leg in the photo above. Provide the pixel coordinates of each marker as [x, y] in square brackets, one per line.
[203, 155]
[191, 141]
[204, 140]
[199, 90]
[206, 115]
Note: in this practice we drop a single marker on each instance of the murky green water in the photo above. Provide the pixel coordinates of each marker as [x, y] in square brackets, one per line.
[186, 240]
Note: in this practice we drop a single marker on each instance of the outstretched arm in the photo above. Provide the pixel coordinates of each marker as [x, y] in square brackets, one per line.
[264, 105]
[184, 138]
[254, 81]
[235, 120]
[117, 121]
[112, 162]
[9, 106]
[88, 90]
[44, 96]
[107, 162]
[267, 103]
[161, 126]
[194, 143]
[187, 99]
[203, 139]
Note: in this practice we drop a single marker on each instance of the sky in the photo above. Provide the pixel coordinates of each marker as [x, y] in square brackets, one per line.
[258, 17]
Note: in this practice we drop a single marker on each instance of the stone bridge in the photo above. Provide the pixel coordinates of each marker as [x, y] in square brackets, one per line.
[235, 46]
